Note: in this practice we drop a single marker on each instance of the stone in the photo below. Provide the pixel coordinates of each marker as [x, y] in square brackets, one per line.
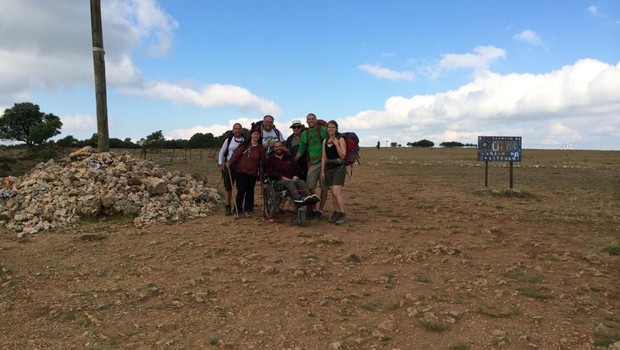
[58, 192]
[82, 152]
[156, 185]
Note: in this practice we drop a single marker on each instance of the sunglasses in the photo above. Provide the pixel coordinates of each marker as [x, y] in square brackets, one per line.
[296, 127]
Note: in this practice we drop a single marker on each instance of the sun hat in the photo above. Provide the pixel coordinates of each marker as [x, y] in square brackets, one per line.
[297, 122]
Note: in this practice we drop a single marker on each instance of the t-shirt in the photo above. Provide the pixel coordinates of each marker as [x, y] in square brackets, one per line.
[228, 149]
[271, 136]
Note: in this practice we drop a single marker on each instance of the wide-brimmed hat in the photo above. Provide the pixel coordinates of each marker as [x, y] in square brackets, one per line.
[296, 122]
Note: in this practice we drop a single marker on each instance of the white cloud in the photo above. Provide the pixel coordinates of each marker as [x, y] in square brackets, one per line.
[143, 20]
[385, 73]
[78, 123]
[215, 129]
[481, 58]
[529, 36]
[569, 103]
[53, 54]
[593, 10]
[186, 134]
[212, 95]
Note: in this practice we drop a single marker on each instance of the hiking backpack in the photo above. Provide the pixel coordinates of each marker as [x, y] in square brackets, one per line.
[353, 148]
[229, 140]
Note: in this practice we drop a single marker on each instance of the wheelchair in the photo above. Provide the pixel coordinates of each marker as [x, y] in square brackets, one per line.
[274, 199]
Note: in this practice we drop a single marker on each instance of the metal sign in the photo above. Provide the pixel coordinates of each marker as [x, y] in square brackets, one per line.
[499, 148]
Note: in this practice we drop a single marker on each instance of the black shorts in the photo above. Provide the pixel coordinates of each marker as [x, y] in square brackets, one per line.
[228, 182]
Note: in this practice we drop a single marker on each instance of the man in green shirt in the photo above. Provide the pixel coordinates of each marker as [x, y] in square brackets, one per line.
[311, 146]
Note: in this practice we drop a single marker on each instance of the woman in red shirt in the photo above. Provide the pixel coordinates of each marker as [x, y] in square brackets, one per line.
[246, 163]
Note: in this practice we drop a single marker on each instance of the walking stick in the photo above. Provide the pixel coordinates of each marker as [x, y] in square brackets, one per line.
[234, 200]
[260, 178]
[219, 182]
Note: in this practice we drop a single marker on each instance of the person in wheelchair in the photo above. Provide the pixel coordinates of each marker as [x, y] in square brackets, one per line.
[282, 168]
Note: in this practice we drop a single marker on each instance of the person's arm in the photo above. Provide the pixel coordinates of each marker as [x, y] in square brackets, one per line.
[235, 156]
[220, 158]
[341, 146]
[323, 160]
[303, 145]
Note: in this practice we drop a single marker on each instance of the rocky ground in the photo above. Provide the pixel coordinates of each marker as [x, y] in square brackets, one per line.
[429, 260]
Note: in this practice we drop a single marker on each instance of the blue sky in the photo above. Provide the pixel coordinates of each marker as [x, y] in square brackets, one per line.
[390, 70]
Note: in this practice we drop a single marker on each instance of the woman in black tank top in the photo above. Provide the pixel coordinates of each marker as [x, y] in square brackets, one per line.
[333, 170]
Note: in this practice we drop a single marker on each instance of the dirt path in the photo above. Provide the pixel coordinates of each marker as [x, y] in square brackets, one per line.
[428, 261]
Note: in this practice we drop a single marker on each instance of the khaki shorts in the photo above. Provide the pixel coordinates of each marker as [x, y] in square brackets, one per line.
[314, 177]
[335, 176]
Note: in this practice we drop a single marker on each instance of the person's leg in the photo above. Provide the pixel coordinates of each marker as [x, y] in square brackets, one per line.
[249, 198]
[228, 192]
[302, 188]
[242, 184]
[338, 198]
[313, 176]
[324, 190]
[337, 190]
[290, 186]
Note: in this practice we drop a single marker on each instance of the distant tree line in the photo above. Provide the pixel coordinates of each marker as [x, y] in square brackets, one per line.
[27, 123]
[424, 143]
[155, 140]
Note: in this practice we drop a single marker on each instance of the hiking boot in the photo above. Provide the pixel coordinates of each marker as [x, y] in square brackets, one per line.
[228, 210]
[334, 217]
[236, 216]
[342, 219]
[309, 200]
[247, 214]
[312, 199]
[317, 213]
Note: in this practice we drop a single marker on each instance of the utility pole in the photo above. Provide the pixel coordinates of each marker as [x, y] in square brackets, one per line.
[103, 137]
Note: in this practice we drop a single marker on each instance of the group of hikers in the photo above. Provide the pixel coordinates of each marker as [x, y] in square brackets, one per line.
[311, 156]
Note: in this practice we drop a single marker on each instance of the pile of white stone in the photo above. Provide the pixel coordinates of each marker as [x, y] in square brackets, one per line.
[89, 184]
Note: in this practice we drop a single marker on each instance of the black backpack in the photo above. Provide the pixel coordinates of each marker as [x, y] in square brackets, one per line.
[228, 140]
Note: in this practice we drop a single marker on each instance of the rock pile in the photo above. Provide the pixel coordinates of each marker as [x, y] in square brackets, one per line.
[86, 183]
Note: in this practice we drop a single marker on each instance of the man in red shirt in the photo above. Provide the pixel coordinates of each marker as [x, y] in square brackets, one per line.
[281, 167]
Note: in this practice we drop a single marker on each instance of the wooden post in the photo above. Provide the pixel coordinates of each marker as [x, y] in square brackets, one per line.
[511, 175]
[486, 174]
[103, 137]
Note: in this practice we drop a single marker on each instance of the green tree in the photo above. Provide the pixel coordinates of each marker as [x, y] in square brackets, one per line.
[116, 143]
[68, 141]
[155, 140]
[451, 144]
[422, 143]
[200, 140]
[25, 122]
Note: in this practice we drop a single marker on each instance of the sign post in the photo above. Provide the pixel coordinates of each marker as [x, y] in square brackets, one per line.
[499, 149]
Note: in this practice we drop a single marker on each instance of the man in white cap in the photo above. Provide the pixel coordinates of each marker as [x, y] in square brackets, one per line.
[292, 143]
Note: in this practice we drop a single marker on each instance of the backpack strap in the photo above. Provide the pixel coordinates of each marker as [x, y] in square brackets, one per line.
[318, 133]
[228, 145]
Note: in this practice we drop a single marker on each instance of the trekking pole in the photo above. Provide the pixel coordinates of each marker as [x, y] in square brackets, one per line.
[219, 182]
[234, 200]
[260, 178]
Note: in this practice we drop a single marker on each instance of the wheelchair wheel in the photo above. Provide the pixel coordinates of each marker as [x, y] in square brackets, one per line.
[270, 199]
[301, 215]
